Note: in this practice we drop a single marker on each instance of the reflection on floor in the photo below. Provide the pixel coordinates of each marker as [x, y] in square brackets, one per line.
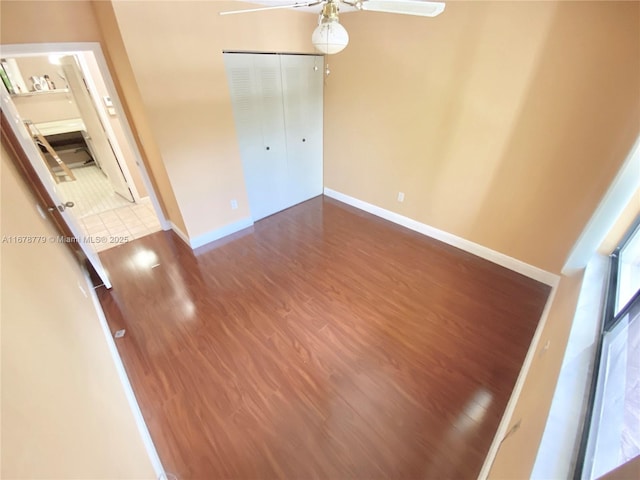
[91, 192]
[131, 222]
[323, 342]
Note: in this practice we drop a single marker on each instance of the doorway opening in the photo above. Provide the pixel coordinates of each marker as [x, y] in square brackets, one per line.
[66, 101]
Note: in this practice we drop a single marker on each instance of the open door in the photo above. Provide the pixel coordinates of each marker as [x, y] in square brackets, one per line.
[12, 120]
[95, 137]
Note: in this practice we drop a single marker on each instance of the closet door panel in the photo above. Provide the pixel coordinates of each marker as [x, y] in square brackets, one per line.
[256, 95]
[272, 174]
[302, 79]
[277, 106]
[243, 89]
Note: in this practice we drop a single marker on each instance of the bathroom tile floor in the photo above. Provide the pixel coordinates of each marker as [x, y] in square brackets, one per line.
[91, 192]
[103, 215]
[120, 225]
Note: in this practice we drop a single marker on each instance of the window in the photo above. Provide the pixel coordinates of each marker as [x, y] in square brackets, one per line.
[612, 430]
[628, 271]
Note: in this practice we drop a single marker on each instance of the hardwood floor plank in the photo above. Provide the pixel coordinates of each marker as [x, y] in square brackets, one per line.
[321, 343]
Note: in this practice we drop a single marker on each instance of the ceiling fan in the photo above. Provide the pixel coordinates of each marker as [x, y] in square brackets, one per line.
[329, 36]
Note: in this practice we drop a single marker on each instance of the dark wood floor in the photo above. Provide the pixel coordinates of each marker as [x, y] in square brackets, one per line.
[322, 343]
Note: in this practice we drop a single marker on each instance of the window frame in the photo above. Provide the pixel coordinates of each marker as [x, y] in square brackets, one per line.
[610, 320]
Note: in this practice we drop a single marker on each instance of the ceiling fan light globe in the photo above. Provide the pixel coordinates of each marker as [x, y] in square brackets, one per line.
[330, 37]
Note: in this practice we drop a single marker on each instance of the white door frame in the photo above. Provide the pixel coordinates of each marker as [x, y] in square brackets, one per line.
[94, 132]
[33, 49]
[25, 139]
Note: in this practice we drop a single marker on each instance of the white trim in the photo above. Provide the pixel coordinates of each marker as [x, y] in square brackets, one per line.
[517, 389]
[620, 192]
[213, 235]
[180, 233]
[561, 438]
[36, 49]
[501, 259]
[154, 458]
[105, 120]
[128, 133]
[34, 156]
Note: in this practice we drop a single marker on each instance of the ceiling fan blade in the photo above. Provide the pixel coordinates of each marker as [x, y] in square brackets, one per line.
[274, 7]
[405, 7]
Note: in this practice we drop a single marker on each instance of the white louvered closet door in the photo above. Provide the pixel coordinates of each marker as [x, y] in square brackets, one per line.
[280, 143]
[302, 81]
[256, 92]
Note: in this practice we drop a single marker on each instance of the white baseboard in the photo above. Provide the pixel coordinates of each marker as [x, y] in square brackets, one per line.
[498, 258]
[213, 235]
[180, 233]
[217, 234]
[505, 422]
[154, 458]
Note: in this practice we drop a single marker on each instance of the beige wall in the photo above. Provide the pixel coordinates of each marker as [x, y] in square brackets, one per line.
[517, 454]
[40, 66]
[47, 108]
[184, 90]
[64, 411]
[502, 122]
[43, 21]
[76, 21]
[44, 107]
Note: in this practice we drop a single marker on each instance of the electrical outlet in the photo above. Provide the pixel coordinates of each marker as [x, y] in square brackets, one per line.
[234, 204]
[401, 197]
